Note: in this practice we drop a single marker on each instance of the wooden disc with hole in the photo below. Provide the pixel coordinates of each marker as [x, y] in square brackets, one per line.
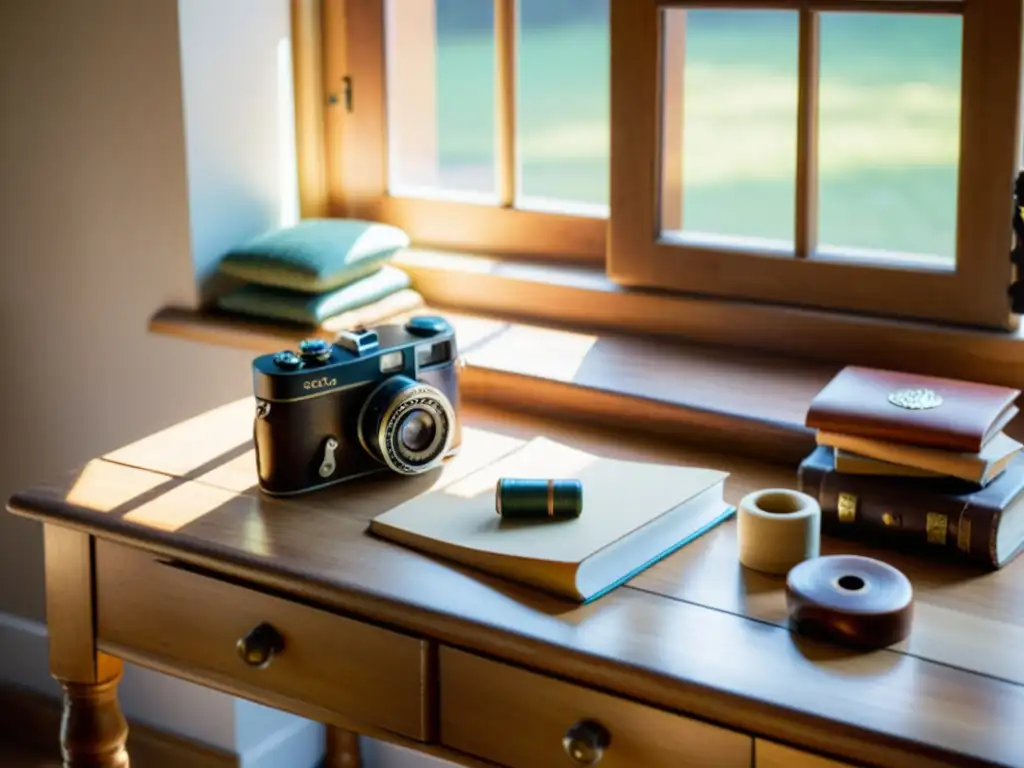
[851, 600]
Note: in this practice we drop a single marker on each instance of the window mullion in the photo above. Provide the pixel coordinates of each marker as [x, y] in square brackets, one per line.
[806, 231]
[672, 98]
[506, 34]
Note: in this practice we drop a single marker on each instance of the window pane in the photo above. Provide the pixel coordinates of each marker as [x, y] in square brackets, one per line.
[730, 119]
[889, 134]
[441, 98]
[562, 103]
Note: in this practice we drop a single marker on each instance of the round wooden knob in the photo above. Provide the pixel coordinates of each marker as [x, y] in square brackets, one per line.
[851, 600]
[260, 646]
[586, 741]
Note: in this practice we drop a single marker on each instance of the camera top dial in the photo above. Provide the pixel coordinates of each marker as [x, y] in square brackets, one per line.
[427, 325]
[314, 351]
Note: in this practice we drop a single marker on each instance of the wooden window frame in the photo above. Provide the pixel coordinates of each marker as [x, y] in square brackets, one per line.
[360, 144]
[343, 165]
[975, 293]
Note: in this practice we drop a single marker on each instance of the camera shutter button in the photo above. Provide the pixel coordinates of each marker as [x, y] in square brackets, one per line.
[315, 350]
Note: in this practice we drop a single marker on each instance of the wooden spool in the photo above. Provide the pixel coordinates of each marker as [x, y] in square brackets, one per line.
[850, 600]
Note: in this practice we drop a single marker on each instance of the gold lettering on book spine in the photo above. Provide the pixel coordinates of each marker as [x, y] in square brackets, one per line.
[847, 507]
[936, 526]
[963, 535]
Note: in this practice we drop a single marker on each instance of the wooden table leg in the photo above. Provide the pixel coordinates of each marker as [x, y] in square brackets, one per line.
[93, 730]
[342, 749]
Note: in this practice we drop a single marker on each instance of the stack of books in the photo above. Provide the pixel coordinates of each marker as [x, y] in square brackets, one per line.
[917, 462]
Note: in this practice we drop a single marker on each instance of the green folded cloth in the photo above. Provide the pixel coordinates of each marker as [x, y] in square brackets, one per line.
[308, 309]
[315, 255]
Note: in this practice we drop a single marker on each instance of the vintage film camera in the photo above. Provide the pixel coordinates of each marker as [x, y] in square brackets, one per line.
[383, 398]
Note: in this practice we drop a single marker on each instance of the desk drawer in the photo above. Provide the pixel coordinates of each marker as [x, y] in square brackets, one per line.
[768, 754]
[192, 623]
[518, 719]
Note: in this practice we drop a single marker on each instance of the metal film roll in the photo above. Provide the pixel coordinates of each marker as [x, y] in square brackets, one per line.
[776, 529]
[516, 498]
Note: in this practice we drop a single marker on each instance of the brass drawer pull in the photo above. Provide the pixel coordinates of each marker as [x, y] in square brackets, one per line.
[260, 646]
[586, 741]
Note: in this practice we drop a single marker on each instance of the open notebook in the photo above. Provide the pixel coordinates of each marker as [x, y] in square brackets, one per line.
[634, 514]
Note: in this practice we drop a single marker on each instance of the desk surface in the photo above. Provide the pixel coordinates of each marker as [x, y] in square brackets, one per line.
[694, 633]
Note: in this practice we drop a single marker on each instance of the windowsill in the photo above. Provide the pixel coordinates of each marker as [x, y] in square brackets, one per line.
[573, 356]
[725, 399]
[579, 297]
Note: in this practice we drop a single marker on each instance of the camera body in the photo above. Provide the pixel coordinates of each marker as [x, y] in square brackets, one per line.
[376, 399]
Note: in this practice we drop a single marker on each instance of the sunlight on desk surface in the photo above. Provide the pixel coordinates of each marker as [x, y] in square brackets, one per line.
[179, 506]
[190, 444]
[103, 486]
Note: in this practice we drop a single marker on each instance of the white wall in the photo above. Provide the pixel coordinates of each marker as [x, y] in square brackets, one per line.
[96, 232]
[236, 81]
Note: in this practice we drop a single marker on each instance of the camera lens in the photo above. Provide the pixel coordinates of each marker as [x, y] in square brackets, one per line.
[417, 431]
[406, 425]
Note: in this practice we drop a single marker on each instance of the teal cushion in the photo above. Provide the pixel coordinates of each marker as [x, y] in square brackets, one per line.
[315, 255]
[312, 309]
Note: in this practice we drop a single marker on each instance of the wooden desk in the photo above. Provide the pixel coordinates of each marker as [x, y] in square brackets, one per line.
[164, 553]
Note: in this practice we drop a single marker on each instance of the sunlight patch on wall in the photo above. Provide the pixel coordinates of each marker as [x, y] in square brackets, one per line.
[287, 162]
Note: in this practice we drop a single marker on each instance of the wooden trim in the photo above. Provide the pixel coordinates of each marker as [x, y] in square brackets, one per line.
[335, 71]
[636, 81]
[636, 414]
[638, 393]
[506, 20]
[33, 721]
[310, 126]
[672, 122]
[973, 294]
[586, 300]
[770, 754]
[990, 151]
[464, 227]
[364, 176]
[806, 231]
[360, 188]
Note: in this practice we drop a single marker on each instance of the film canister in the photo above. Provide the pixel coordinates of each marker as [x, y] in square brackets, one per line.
[520, 499]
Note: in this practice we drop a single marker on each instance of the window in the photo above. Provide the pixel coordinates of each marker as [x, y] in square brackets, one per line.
[865, 152]
[855, 155]
[481, 125]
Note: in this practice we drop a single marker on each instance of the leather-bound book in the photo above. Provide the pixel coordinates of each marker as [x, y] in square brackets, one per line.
[946, 516]
[917, 410]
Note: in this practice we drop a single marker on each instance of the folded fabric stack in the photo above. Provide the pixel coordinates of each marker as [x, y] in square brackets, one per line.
[922, 461]
[330, 274]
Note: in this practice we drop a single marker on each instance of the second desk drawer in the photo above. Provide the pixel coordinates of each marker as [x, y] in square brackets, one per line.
[345, 666]
[519, 719]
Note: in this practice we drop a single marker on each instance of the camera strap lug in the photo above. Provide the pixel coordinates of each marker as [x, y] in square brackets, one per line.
[328, 465]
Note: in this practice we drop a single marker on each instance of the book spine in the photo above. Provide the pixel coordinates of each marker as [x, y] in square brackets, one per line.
[867, 508]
